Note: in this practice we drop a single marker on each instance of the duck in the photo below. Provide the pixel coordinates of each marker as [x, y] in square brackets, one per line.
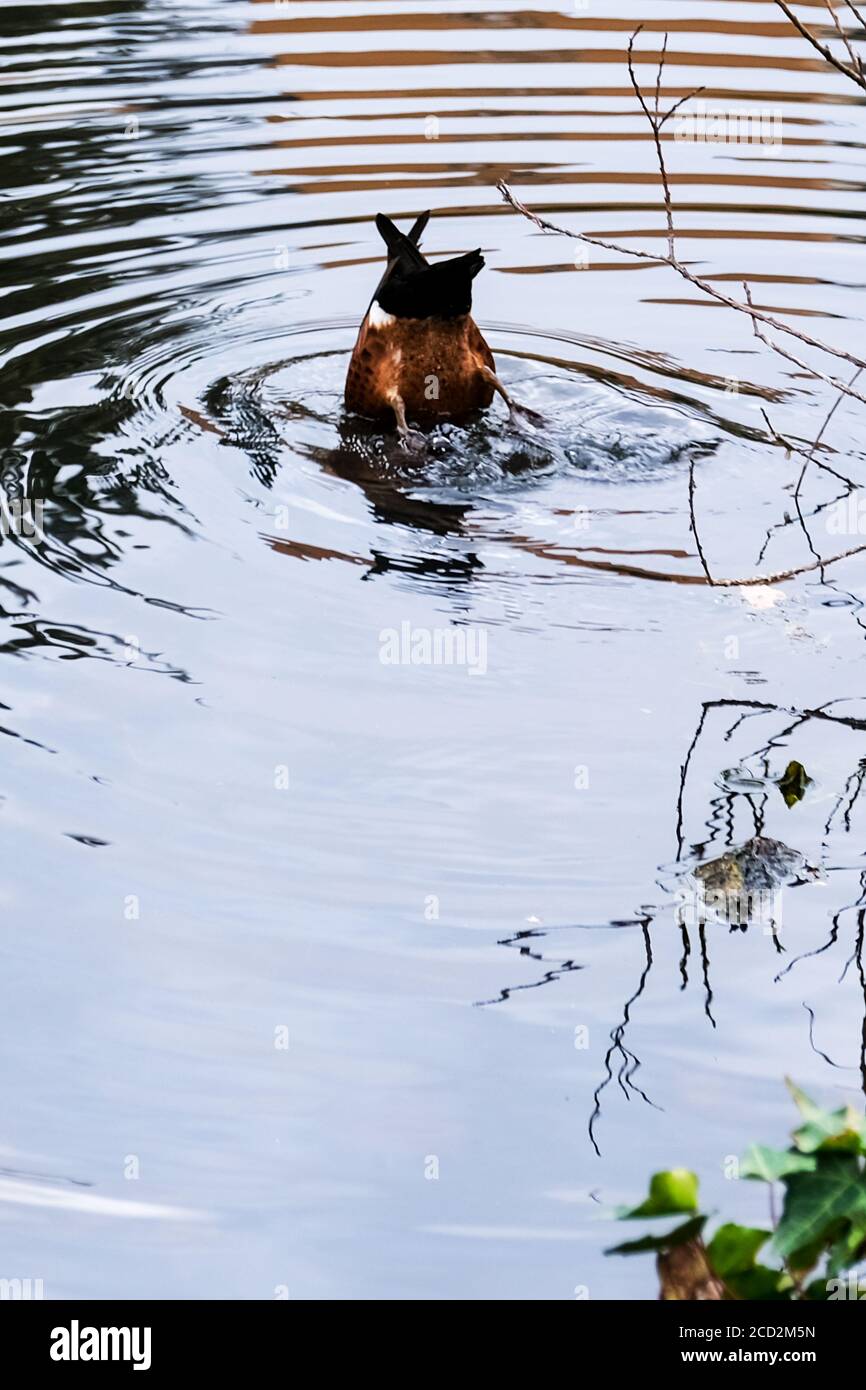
[419, 354]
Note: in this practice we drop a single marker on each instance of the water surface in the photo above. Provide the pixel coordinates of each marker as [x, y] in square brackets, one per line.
[346, 977]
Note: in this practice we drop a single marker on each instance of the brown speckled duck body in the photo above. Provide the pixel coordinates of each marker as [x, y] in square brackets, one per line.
[431, 365]
[419, 353]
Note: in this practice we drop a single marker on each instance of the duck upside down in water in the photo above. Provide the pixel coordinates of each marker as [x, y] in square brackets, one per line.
[419, 352]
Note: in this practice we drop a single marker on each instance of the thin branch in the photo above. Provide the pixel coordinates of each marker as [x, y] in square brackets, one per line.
[655, 126]
[786, 574]
[577, 557]
[672, 259]
[860, 20]
[677, 104]
[791, 520]
[810, 456]
[694, 524]
[661, 65]
[822, 48]
[841, 386]
[843, 35]
[788, 444]
[656, 120]
[676, 264]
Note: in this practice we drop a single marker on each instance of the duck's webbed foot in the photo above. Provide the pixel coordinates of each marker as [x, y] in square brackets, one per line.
[409, 438]
[520, 414]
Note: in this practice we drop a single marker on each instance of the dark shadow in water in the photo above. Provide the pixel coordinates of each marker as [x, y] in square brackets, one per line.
[518, 941]
[738, 879]
[394, 480]
[629, 1062]
[387, 475]
[434, 489]
[56, 454]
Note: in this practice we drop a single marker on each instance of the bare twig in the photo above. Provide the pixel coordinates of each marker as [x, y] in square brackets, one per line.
[860, 20]
[842, 387]
[808, 455]
[655, 126]
[676, 264]
[843, 35]
[826, 52]
[576, 557]
[662, 57]
[821, 433]
[656, 119]
[792, 520]
[787, 574]
[694, 524]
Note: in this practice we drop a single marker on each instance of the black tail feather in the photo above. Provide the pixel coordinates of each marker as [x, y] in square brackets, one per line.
[392, 236]
[411, 287]
[443, 290]
[401, 248]
[417, 228]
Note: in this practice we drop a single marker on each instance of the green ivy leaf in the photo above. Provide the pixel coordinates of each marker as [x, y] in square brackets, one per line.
[733, 1248]
[817, 1291]
[793, 783]
[816, 1202]
[769, 1165]
[670, 1193]
[689, 1230]
[801, 1261]
[848, 1249]
[760, 1284]
[827, 1129]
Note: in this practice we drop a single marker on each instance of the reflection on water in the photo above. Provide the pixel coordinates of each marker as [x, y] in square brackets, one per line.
[286, 919]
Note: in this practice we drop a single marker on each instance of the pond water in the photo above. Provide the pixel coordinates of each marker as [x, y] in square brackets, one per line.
[351, 797]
